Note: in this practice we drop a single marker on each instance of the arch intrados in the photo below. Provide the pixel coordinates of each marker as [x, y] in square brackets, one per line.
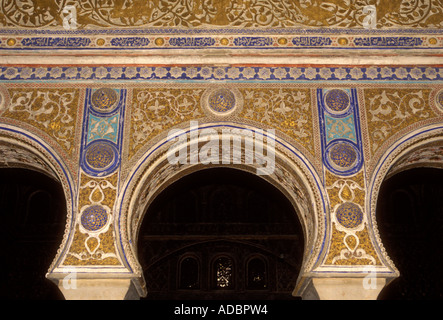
[198, 168]
[153, 173]
[398, 167]
[402, 148]
[30, 145]
[281, 159]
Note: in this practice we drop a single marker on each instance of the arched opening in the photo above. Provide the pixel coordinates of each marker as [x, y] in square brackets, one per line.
[223, 273]
[257, 274]
[189, 276]
[410, 220]
[33, 217]
[220, 233]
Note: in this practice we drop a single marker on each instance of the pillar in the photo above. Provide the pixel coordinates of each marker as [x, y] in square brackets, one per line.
[341, 288]
[98, 289]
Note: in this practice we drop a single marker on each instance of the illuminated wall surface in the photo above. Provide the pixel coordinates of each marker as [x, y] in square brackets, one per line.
[90, 90]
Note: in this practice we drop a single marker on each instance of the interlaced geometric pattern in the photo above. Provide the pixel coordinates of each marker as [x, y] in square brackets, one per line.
[104, 99]
[222, 100]
[100, 155]
[349, 215]
[94, 218]
[337, 100]
[343, 155]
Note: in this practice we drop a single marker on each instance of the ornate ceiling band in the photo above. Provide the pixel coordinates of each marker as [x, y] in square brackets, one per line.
[204, 73]
[290, 43]
[224, 14]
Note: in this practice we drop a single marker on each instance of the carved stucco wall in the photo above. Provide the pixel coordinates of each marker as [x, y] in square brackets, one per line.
[347, 104]
[238, 13]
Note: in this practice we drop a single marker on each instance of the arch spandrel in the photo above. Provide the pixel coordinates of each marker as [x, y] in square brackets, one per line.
[289, 109]
[49, 112]
[391, 113]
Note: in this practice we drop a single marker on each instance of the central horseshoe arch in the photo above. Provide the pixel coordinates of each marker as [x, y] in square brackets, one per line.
[293, 175]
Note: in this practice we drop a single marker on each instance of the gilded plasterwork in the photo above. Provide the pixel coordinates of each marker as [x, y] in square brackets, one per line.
[350, 241]
[389, 111]
[361, 253]
[422, 141]
[237, 13]
[157, 110]
[53, 111]
[145, 187]
[98, 190]
[349, 189]
[94, 244]
[286, 109]
[263, 74]
[92, 251]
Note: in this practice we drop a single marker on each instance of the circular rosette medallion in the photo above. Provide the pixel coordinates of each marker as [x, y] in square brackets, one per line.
[101, 156]
[94, 218]
[222, 101]
[349, 215]
[342, 156]
[104, 100]
[337, 101]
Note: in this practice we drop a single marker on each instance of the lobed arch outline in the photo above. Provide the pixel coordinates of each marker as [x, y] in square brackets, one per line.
[27, 142]
[407, 144]
[153, 173]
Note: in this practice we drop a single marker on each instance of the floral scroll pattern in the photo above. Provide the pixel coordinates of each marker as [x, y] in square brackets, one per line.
[227, 13]
[350, 243]
[95, 247]
[156, 110]
[391, 110]
[53, 111]
[286, 109]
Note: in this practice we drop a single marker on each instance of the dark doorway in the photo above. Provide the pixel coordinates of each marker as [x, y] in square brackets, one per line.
[410, 220]
[33, 213]
[221, 234]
